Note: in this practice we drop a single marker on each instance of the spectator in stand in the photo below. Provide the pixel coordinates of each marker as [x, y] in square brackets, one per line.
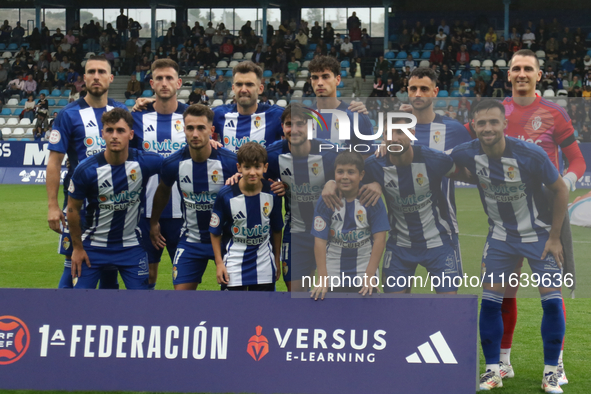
[134, 28]
[35, 40]
[502, 49]
[56, 39]
[5, 32]
[577, 113]
[570, 68]
[79, 84]
[196, 97]
[227, 48]
[353, 21]
[200, 80]
[476, 49]
[246, 29]
[463, 57]
[328, 33]
[480, 86]
[302, 38]
[240, 43]
[479, 73]
[30, 85]
[292, 69]
[450, 112]
[3, 77]
[445, 78]
[379, 88]
[585, 132]
[528, 39]
[552, 46]
[440, 39]
[316, 32]
[549, 79]
[365, 43]
[347, 49]
[271, 89]
[17, 35]
[41, 124]
[308, 89]
[436, 56]
[463, 114]
[402, 94]
[16, 86]
[575, 89]
[409, 62]
[71, 78]
[134, 87]
[415, 41]
[333, 53]
[355, 37]
[284, 89]
[496, 85]
[358, 75]
[390, 88]
[220, 88]
[489, 48]
[404, 40]
[42, 104]
[578, 47]
[122, 24]
[61, 77]
[278, 67]
[382, 65]
[394, 76]
[29, 110]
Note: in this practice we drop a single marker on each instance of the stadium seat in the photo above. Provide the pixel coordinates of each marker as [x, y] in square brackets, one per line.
[5, 112]
[62, 103]
[390, 55]
[222, 64]
[13, 102]
[24, 122]
[472, 84]
[248, 56]
[297, 93]
[300, 84]
[147, 93]
[29, 132]
[130, 102]
[7, 55]
[6, 132]
[401, 55]
[88, 55]
[426, 55]
[56, 93]
[311, 47]
[541, 61]
[424, 63]
[309, 56]
[475, 63]
[17, 111]
[184, 94]
[238, 56]
[66, 93]
[440, 104]
[549, 93]
[304, 73]
[429, 46]
[23, 101]
[343, 73]
[399, 64]
[393, 37]
[539, 93]
[2, 46]
[44, 91]
[210, 93]
[229, 101]
[228, 74]
[267, 73]
[50, 102]
[233, 63]
[219, 72]
[415, 55]
[540, 54]
[18, 132]
[338, 93]
[456, 84]
[487, 64]
[282, 103]
[307, 103]
[443, 93]
[341, 84]
[182, 101]
[454, 103]
[217, 103]
[501, 63]
[455, 93]
[562, 103]
[306, 64]
[12, 47]
[192, 73]
[2, 121]
[345, 64]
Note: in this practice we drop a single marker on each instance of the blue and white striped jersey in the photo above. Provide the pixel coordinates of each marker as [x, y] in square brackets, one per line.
[511, 188]
[417, 207]
[162, 134]
[198, 184]
[114, 196]
[443, 134]
[349, 231]
[332, 133]
[249, 220]
[77, 130]
[305, 176]
[264, 126]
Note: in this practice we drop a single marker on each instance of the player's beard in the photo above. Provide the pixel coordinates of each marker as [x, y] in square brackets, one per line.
[424, 105]
[97, 92]
[246, 101]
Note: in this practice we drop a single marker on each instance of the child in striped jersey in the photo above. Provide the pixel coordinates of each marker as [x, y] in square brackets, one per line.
[349, 242]
[250, 212]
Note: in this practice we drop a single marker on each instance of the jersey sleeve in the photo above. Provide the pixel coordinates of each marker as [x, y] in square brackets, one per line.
[59, 138]
[365, 128]
[564, 132]
[152, 163]
[218, 215]
[79, 182]
[138, 130]
[276, 214]
[546, 169]
[373, 171]
[229, 162]
[441, 163]
[170, 170]
[378, 218]
[322, 220]
[460, 156]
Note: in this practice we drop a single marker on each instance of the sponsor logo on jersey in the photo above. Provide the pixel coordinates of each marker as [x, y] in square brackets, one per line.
[239, 215]
[536, 123]
[391, 184]
[124, 196]
[150, 128]
[337, 218]
[266, 209]
[14, 339]
[91, 141]
[258, 345]
[200, 197]
[105, 184]
[238, 142]
[257, 231]
[436, 136]
[511, 172]
[186, 179]
[230, 124]
[215, 177]
[482, 172]
[360, 215]
[90, 124]
[420, 179]
[287, 172]
[164, 146]
[315, 169]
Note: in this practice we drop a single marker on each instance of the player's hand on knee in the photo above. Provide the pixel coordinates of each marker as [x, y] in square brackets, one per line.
[277, 187]
[142, 103]
[156, 237]
[55, 217]
[370, 194]
[222, 274]
[331, 196]
[215, 144]
[234, 179]
[358, 106]
[554, 246]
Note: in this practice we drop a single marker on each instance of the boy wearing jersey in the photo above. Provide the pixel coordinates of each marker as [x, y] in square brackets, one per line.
[77, 132]
[510, 174]
[350, 241]
[421, 223]
[199, 173]
[112, 182]
[250, 212]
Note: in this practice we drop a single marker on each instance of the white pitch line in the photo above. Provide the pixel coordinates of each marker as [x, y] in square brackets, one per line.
[484, 236]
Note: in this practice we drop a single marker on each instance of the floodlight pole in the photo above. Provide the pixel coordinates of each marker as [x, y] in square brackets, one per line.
[507, 3]
[153, 27]
[387, 5]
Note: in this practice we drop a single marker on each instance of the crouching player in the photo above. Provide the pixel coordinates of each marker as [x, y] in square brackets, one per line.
[350, 241]
[422, 225]
[112, 182]
[250, 212]
[510, 174]
[200, 173]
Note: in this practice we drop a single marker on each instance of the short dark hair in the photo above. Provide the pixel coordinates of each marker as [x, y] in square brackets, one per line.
[248, 67]
[422, 72]
[198, 110]
[527, 53]
[296, 108]
[115, 115]
[165, 63]
[347, 157]
[252, 153]
[99, 58]
[487, 104]
[322, 63]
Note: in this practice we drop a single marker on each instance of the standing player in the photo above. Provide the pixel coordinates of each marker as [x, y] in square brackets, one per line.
[510, 174]
[199, 172]
[422, 230]
[76, 132]
[112, 182]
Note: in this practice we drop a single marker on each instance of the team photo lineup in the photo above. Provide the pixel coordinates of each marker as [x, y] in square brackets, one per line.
[265, 192]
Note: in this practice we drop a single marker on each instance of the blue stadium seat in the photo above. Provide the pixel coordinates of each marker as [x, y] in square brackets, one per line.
[338, 93]
[399, 64]
[440, 104]
[23, 101]
[179, 47]
[12, 139]
[443, 93]
[390, 55]
[307, 103]
[66, 93]
[147, 93]
[56, 93]
[472, 84]
[50, 102]
[62, 102]
[267, 73]
[129, 102]
[343, 73]
[25, 45]
[309, 56]
[488, 72]
[311, 47]
[116, 55]
[562, 61]
[228, 73]
[458, 73]
[455, 103]
[472, 72]
[589, 36]
[328, 47]
[219, 72]
[401, 55]
[393, 37]
[373, 123]
[429, 46]
[345, 63]
[12, 47]
[456, 84]
[85, 47]
[426, 55]
[2, 46]
[44, 91]
[589, 52]
[415, 55]
[17, 111]
[341, 84]
[456, 93]
[5, 112]
[206, 72]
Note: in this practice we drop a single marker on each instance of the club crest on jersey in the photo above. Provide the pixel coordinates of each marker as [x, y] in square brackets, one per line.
[178, 125]
[360, 215]
[266, 209]
[66, 243]
[175, 272]
[133, 175]
[258, 122]
[315, 169]
[215, 177]
[336, 124]
[437, 136]
[420, 179]
[511, 172]
[536, 123]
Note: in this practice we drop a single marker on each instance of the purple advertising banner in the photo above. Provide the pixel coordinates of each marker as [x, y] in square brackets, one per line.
[210, 341]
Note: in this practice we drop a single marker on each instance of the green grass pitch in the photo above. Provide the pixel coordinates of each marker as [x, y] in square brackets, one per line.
[28, 259]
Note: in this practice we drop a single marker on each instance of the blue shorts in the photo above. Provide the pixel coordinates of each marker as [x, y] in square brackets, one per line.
[400, 263]
[170, 230]
[500, 258]
[303, 263]
[190, 262]
[132, 264]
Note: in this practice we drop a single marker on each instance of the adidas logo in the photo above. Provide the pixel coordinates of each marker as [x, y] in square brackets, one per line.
[429, 355]
[337, 218]
[91, 124]
[105, 184]
[239, 215]
[186, 179]
[287, 172]
[230, 123]
[391, 184]
[150, 128]
[482, 172]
